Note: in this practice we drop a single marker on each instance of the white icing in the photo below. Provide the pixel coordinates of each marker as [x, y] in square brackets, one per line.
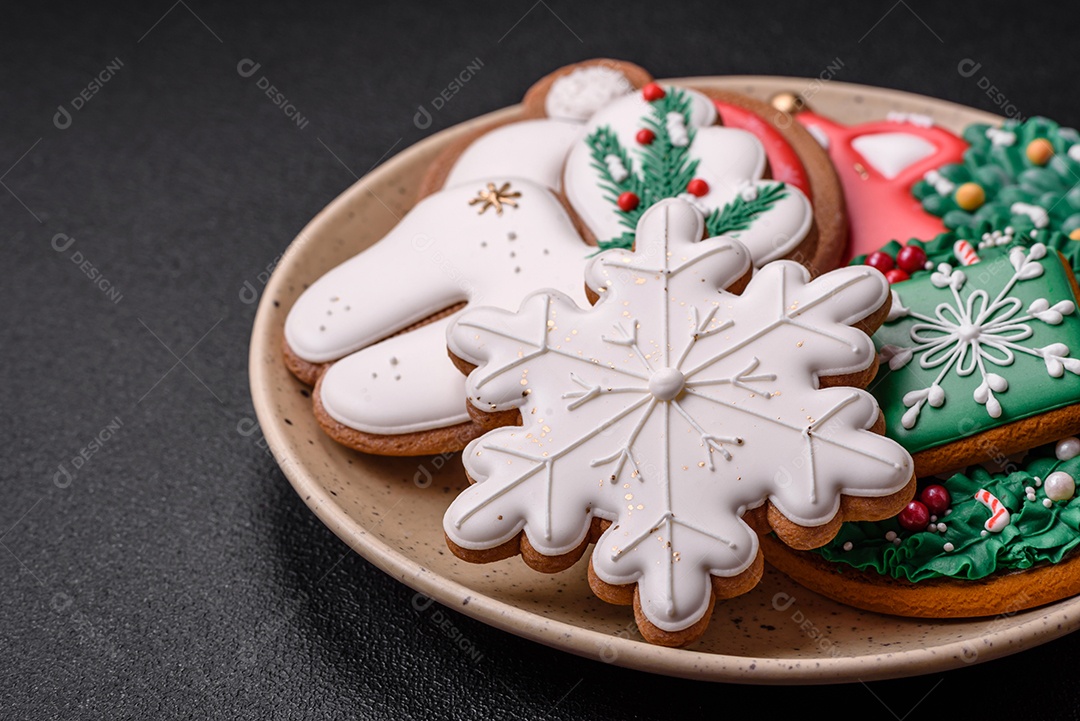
[670, 408]
[616, 168]
[1001, 138]
[727, 157]
[1074, 152]
[1038, 215]
[819, 135]
[973, 331]
[917, 119]
[441, 253]
[581, 92]
[941, 184]
[530, 149]
[891, 153]
[676, 128]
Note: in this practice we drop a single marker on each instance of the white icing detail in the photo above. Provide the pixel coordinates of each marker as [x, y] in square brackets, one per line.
[890, 153]
[920, 120]
[967, 334]
[605, 430]
[441, 253]
[1038, 215]
[666, 384]
[694, 201]
[949, 547]
[897, 309]
[1067, 448]
[676, 128]
[1059, 486]
[1074, 152]
[615, 166]
[1000, 137]
[583, 91]
[747, 191]
[999, 514]
[819, 135]
[530, 149]
[726, 157]
[941, 184]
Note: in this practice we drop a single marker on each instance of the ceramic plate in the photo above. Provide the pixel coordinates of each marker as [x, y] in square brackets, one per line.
[389, 510]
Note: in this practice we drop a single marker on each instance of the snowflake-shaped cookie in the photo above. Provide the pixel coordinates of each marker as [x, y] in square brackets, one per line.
[670, 409]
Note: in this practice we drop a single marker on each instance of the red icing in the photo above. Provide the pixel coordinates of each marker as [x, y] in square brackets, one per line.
[784, 162]
[880, 209]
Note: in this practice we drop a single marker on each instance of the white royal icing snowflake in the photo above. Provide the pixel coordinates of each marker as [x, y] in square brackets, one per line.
[969, 333]
[671, 408]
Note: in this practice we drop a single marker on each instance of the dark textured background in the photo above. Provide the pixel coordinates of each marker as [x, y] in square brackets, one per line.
[176, 574]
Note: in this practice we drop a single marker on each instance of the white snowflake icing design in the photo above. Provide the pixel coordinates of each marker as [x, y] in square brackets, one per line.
[670, 408]
[969, 333]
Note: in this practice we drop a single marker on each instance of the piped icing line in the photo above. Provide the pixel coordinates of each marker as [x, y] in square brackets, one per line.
[628, 408]
[1038, 215]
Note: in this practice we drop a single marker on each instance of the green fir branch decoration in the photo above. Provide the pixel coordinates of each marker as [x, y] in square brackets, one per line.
[603, 143]
[663, 171]
[739, 214]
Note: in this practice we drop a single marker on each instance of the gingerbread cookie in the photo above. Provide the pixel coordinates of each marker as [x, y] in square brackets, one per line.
[1021, 175]
[498, 221]
[978, 543]
[879, 163]
[978, 356]
[675, 420]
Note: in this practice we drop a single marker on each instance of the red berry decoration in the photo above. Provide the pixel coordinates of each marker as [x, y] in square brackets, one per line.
[881, 261]
[645, 136]
[652, 92]
[911, 258]
[936, 498]
[628, 201]
[697, 187]
[914, 517]
[896, 276]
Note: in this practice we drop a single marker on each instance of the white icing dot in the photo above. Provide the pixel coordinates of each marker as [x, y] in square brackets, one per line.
[949, 548]
[666, 383]
[1029, 490]
[984, 532]
[848, 546]
[1047, 502]
[942, 527]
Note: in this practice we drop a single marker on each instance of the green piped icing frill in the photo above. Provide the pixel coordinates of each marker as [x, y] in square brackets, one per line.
[1035, 534]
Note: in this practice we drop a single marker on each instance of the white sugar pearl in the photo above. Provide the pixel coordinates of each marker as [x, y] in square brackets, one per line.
[896, 542]
[1029, 490]
[928, 265]
[1038, 482]
[942, 527]
[1047, 502]
[949, 548]
[948, 511]
[1060, 486]
[984, 533]
[933, 519]
[848, 546]
[1067, 448]
[890, 536]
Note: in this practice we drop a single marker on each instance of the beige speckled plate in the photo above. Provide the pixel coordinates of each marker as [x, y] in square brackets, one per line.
[390, 510]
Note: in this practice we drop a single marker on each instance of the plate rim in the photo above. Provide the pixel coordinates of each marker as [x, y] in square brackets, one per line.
[1057, 619]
